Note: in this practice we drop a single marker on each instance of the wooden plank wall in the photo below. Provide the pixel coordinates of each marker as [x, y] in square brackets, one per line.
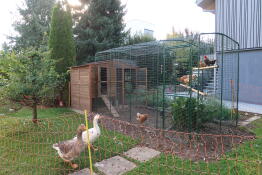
[93, 81]
[75, 87]
[80, 88]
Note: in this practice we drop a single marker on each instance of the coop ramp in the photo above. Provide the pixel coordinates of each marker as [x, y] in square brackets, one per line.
[109, 106]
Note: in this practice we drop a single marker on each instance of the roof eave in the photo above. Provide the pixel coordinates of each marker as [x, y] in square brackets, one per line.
[207, 5]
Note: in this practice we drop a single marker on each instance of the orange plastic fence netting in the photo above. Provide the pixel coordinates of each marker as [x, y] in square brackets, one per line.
[27, 148]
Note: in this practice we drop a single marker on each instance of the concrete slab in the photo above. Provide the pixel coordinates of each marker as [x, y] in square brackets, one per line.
[77, 111]
[246, 107]
[246, 122]
[85, 171]
[115, 166]
[142, 154]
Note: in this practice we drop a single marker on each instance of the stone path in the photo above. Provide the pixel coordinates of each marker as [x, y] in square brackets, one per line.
[246, 122]
[118, 165]
[142, 154]
[85, 171]
[115, 166]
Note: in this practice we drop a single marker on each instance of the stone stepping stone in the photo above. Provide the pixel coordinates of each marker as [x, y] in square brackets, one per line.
[115, 166]
[142, 154]
[85, 171]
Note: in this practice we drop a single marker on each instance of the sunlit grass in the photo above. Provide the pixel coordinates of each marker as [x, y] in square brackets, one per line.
[26, 148]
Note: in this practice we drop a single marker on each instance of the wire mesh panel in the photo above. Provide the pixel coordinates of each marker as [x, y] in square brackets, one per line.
[223, 82]
[174, 82]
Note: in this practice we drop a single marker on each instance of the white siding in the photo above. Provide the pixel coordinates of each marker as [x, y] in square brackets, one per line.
[241, 20]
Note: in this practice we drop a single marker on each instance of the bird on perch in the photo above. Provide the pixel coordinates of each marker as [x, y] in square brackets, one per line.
[202, 64]
[141, 117]
[209, 62]
[186, 78]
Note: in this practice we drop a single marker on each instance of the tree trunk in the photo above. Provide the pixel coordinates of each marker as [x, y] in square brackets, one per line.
[34, 111]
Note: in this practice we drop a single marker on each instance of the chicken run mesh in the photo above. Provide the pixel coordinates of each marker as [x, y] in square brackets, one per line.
[26, 148]
[181, 83]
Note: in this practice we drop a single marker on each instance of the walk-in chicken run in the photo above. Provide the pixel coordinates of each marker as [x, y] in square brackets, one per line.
[178, 84]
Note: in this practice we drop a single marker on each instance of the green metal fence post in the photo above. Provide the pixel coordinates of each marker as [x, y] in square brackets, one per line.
[164, 87]
[190, 91]
[130, 96]
[157, 84]
[222, 83]
[238, 47]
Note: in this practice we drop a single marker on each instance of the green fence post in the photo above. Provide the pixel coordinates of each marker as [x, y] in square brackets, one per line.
[222, 83]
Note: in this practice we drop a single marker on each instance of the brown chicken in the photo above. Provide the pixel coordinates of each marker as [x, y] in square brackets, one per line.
[209, 62]
[141, 117]
[202, 64]
[185, 79]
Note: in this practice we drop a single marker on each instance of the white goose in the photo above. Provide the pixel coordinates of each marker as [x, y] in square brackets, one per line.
[94, 132]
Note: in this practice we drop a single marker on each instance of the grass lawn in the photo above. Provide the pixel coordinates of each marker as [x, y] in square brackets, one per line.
[27, 149]
[244, 160]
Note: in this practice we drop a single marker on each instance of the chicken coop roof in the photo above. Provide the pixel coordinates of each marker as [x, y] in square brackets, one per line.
[131, 63]
[149, 48]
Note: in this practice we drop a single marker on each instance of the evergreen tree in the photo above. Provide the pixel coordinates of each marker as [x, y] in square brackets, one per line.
[139, 38]
[34, 23]
[100, 27]
[61, 41]
[5, 47]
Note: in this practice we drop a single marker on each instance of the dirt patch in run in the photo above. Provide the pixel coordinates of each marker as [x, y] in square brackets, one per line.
[154, 120]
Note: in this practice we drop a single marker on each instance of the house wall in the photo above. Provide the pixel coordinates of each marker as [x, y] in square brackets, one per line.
[250, 74]
[241, 20]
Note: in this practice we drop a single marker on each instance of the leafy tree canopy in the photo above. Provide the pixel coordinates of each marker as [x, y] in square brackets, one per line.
[31, 77]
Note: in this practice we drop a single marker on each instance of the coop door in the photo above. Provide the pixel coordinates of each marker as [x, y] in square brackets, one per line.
[119, 85]
[129, 80]
[103, 81]
[141, 79]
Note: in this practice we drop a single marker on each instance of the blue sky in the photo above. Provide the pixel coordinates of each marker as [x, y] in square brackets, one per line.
[162, 15]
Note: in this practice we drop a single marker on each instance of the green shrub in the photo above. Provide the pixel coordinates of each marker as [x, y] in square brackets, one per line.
[188, 114]
[158, 100]
[191, 114]
[213, 109]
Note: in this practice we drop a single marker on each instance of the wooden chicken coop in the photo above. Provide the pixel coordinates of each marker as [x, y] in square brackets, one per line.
[110, 79]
